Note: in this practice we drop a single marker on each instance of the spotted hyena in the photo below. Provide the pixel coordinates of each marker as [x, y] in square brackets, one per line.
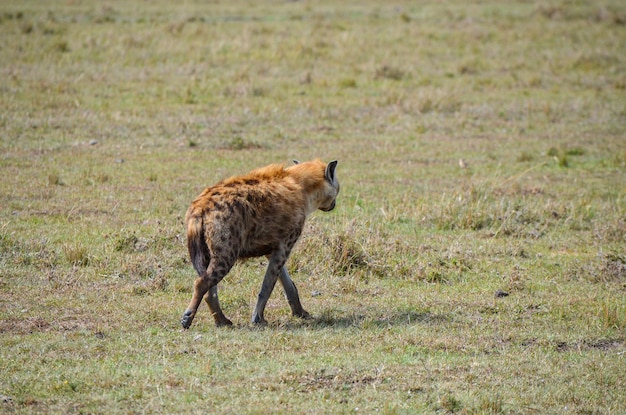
[259, 214]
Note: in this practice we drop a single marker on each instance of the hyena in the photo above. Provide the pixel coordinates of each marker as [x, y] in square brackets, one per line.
[259, 214]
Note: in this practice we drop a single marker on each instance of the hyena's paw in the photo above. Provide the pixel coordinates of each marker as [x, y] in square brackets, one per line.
[258, 320]
[187, 318]
[303, 315]
[223, 322]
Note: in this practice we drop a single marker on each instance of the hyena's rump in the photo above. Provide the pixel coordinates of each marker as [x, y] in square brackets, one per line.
[258, 214]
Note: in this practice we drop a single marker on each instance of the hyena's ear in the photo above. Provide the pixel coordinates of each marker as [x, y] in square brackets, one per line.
[296, 161]
[330, 172]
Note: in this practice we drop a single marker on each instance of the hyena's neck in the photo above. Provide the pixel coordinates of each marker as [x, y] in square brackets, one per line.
[312, 201]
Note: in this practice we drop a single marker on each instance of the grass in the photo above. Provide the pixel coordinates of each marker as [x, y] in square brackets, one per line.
[115, 116]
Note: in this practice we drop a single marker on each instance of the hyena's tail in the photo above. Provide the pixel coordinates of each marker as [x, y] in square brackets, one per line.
[196, 243]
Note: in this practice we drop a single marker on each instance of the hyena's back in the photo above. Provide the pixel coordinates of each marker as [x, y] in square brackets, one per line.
[247, 215]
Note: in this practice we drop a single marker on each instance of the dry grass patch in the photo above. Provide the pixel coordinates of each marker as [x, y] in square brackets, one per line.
[491, 285]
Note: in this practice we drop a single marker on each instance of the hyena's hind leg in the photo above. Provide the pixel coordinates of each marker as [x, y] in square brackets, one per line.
[206, 284]
[291, 292]
[214, 305]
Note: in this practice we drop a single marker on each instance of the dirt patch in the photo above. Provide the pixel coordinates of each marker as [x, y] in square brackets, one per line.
[23, 325]
[330, 379]
[37, 324]
[591, 344]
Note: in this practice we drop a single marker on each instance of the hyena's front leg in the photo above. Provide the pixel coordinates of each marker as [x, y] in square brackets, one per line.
[292, 294]
[277, 261]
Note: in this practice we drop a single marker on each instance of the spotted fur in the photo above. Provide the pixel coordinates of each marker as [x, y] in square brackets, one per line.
[261, 213]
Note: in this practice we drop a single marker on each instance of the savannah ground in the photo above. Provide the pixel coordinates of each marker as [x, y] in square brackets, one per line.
[115, 115]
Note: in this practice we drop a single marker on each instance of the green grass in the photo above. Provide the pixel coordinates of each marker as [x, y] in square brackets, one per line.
[114, 116]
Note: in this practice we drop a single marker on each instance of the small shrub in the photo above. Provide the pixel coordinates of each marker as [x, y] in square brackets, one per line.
[347, 254]
[450, 403]
[190, 97]
[426, 105]
[552, 12]
[347, 83]
[126, 243]
[389, 72]
[258, 91]
[11, 16]
[102, 178]
[613, 267]
[306, 78]
[76, 256]
[62, 46]
[612, 316]
[525, 157]
[576, 151]
[238, 143]
[26, 27]
[552, 152]
[491, 405]
[55, 180]
[435, 276]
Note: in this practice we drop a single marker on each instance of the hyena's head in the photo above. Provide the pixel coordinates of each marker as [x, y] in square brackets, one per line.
[320, 181]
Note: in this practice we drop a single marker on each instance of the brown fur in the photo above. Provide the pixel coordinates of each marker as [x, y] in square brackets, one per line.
[261, 213]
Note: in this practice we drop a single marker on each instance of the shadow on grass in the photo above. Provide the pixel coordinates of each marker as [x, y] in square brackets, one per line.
[333, 318]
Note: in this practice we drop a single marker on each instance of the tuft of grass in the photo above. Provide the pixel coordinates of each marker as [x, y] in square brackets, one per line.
[347, 254]
[62, 46]
[27, 27]
[54, 179]
[613, 316]
[390, 72]
[525, 157]
[348, 83]
[76, 255]
[575, 151]
[238, 143]
[126, 243]
[259, 91]
[491, 405]
[552, 152]
[449, 403]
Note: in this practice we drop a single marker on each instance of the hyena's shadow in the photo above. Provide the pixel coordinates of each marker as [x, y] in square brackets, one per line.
[334, 318]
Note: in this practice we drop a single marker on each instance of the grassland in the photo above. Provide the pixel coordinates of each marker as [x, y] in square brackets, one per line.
[114, 115]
